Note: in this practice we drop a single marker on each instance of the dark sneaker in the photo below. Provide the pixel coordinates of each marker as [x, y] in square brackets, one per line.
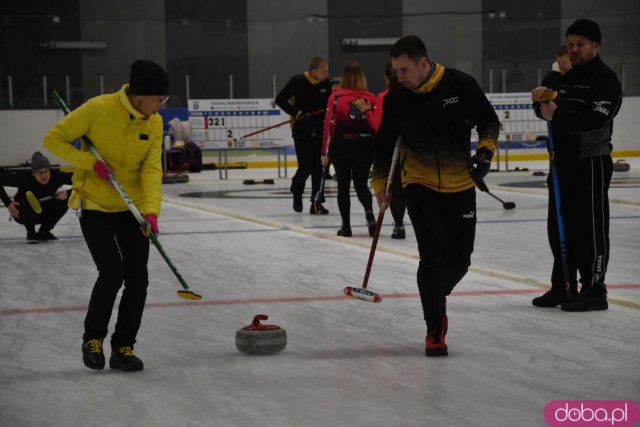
[45, 236]
[550, 299]
[92, 354]
[318, 209]
[32, 238]
[588, 300]
[435, 345]
[371, 223]
[297, 202]
[124, 359]
[398, 232]
[345, 232]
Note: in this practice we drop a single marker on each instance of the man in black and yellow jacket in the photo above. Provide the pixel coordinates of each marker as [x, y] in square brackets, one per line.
[304, 98]
[433, 109]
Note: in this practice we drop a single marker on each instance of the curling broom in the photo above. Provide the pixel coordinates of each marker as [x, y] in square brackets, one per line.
[363, 293]
[186, 293]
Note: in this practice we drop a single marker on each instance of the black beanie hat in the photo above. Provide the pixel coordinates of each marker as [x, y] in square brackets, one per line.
[39, 161]
[586, 28]
[148, 78]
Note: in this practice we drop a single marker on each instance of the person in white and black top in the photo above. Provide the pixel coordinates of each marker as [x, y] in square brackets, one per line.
[589, 97]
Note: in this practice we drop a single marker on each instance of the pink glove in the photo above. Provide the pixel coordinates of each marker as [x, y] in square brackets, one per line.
[100, 169]
[152, 220]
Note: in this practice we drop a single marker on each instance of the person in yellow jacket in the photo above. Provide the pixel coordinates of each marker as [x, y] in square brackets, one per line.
[127, 132]
[434, 109]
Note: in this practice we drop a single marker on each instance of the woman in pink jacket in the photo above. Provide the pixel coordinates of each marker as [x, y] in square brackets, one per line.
[349, 128]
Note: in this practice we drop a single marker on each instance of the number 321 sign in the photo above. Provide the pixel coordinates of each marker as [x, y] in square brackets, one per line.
[222, 123]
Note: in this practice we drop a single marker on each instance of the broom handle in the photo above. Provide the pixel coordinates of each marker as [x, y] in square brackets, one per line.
[132, 208]
[374, 244]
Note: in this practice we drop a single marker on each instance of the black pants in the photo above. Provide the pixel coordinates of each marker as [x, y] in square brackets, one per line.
[352, 159]
[308, 148]
[52, 211]
[398, 204]
[584, 203]
[120, 252]
[445, 227]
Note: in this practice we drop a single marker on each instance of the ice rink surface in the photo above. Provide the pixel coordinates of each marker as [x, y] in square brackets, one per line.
[348, 362]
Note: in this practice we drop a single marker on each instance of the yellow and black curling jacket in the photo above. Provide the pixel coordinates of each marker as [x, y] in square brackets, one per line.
[130, 144]
[304, 95]
[435, 123]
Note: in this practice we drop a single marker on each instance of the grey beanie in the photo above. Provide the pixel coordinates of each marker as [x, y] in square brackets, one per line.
[39, 161]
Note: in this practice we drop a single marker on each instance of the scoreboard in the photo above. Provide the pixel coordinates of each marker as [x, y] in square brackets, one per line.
[519, 125]
[222, 123]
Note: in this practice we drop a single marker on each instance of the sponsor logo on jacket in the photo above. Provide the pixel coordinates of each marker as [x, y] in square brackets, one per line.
[599, 107]
[449, 101]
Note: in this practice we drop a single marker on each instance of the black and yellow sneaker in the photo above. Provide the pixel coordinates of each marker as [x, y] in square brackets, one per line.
[92, 354]
[123, 358]
[318, 209]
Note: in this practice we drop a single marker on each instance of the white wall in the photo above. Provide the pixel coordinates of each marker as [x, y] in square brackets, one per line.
[23, 131]
[22, 134]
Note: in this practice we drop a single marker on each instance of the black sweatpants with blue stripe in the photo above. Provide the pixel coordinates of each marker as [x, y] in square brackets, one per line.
[584, 200]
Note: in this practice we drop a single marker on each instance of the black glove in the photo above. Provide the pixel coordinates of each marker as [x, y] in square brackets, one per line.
[480, 164]
[482, 186]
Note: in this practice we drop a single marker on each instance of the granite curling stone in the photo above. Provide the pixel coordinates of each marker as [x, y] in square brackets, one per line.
[621, 166]
[261, 339]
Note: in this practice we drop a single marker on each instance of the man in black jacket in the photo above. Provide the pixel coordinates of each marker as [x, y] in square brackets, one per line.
[434, 109]
[589, 97]
[304, 98]
[42, 182]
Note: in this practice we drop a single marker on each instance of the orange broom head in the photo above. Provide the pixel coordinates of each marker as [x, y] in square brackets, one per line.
[189, 295]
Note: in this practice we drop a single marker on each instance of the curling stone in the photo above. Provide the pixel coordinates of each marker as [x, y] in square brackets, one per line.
[261, 339]
[539, 173]
[175, 178]
[621, 166]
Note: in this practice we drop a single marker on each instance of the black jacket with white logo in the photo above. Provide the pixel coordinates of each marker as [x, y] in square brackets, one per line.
[435, 122]
[589, 97]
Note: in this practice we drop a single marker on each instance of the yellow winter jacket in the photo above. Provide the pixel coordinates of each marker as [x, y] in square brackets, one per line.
[129, 144]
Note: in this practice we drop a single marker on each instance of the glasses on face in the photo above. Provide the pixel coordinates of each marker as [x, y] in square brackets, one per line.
[164, 100]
